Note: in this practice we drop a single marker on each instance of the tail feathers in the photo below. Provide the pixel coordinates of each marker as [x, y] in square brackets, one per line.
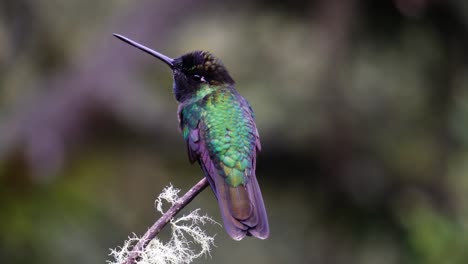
[261, 229]
[242, 209]
[239, 202]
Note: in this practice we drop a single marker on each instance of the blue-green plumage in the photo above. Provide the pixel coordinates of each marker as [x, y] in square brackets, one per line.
[218, 125]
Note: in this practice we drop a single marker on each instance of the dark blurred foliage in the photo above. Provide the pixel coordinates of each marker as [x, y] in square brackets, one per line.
[362, 108]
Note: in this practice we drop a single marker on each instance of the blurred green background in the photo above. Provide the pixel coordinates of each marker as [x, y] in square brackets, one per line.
[362, 108]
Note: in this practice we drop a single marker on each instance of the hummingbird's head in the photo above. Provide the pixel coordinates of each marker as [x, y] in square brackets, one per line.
[196, 69]
[192, 71]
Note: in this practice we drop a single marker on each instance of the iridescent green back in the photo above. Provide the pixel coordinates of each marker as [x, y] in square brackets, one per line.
[225, 121]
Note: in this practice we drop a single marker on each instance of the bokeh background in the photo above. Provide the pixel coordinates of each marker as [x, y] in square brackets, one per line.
[362, 108]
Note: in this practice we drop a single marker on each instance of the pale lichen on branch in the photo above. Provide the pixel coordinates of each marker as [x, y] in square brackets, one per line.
[188, 240]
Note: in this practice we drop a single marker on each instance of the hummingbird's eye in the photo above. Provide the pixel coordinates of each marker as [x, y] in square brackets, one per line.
[198, 78]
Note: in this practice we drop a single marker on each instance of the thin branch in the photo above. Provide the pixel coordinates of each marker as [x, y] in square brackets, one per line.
[161, 222]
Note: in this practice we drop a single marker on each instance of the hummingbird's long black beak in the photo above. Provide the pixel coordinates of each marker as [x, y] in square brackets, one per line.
[156, 54]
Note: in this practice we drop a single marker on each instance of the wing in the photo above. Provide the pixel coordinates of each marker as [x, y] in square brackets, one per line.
[248, 111]
[189, 120]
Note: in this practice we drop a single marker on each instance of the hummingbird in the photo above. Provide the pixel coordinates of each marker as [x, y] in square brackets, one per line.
[218, 126]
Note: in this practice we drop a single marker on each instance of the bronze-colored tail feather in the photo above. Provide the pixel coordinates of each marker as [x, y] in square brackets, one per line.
[238, 201]
[242, 207]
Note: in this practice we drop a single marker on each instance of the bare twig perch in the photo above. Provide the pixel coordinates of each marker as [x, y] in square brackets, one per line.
[159, 225]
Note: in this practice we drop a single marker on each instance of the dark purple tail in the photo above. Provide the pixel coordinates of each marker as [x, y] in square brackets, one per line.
[242, 208]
